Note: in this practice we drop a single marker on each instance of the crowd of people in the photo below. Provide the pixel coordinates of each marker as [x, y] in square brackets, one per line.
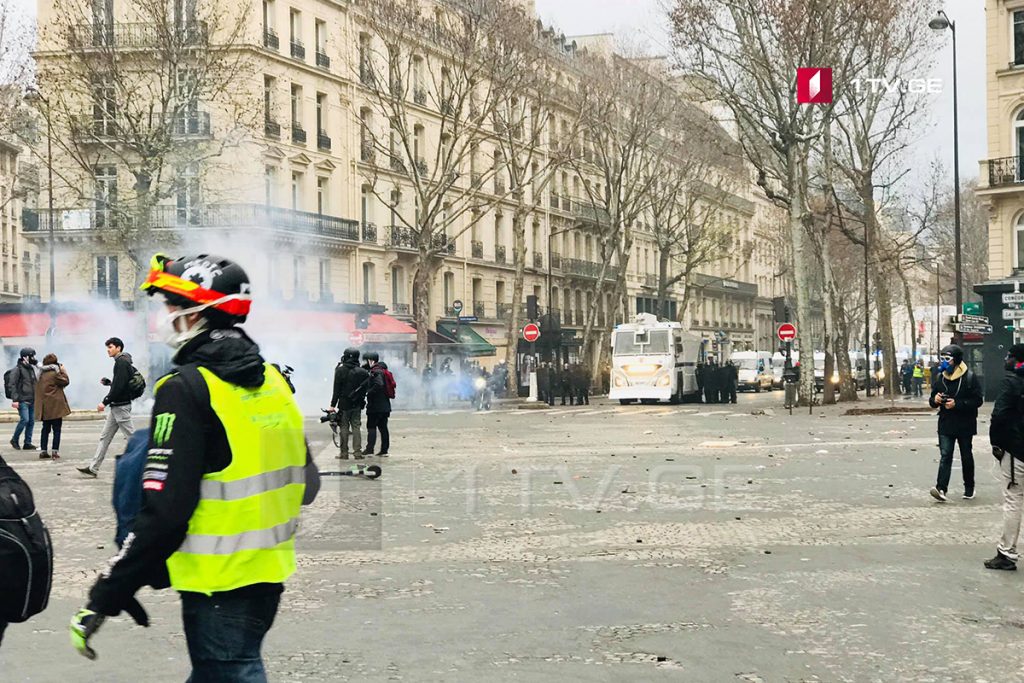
[717, 383]
[568, 384]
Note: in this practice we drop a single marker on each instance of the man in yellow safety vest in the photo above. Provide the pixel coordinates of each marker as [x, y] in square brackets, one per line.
[227, 471]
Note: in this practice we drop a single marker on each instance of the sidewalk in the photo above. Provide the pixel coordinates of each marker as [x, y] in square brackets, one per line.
[11, 416]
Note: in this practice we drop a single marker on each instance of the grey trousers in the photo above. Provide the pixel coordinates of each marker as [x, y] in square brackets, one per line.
[118, 418]
[1013, 503]
[349, 421]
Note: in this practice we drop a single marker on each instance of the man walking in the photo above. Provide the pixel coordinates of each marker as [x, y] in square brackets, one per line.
[348, 400]
[956, 392]
[23, 396]
[118, 400]
[227, 470]
[918, 379]
[730, 382]
[1006, 434]
[378, 404]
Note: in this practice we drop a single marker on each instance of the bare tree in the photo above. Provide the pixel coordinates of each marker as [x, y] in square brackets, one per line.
[624, 107]
[156, 96]
[743, 55]
[533, 152]
[875, 120]
[460, 72]
[16, 35]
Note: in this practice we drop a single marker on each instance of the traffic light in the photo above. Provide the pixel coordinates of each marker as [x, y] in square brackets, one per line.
[531, 307]
[781, 309]
[878, 341]
[362, 320]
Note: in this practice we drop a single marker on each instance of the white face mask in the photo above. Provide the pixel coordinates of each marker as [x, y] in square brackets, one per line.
[169, 331]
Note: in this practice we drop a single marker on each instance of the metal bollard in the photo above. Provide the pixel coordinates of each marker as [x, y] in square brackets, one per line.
[791, 390]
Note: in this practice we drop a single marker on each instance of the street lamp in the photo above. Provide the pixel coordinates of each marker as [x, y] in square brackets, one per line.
[941, 22]
[33, 95]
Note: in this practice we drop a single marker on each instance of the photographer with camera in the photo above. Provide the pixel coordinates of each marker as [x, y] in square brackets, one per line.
[956, 392]
[348, 401]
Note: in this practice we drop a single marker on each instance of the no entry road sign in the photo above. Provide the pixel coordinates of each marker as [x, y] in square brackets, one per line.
[787, 332]
[531, 332]
[355, 337]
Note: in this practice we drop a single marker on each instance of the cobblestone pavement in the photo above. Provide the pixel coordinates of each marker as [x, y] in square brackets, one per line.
[599, 543]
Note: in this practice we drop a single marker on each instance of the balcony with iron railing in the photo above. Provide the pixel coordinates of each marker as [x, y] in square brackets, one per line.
[184, 124]
[504, 311]
[270, 39]
[443, 244]
[322, 60]
[1005, 171]
[323, 141]
[588, 269]
[554, 201]
[499, 186]
[556, 260]
[402, 237]
[366, 76]
[298, 50]
[419, 96]
[298, 134]
[369, 232]
[477, 249]
[479, 309]
[421, 167]
[400, 308]
[586, 212]
[71, 221]
[538, 260]
[397, 164]
[272, 129]
[650, 280]
[499, 254]
[367, 152]
[150, 35]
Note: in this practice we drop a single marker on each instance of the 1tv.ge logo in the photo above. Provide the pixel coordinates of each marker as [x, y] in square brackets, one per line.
[814, 85]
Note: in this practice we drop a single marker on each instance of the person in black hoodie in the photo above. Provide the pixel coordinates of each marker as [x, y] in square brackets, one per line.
[226, 456]
[349, 399]
[956, 392]
[378, 405]
[23, 392]
[119, 400]
[1006, 434]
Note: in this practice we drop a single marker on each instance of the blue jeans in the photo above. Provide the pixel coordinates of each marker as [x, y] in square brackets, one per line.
[224, 636]
[946, 444]
[26, 421]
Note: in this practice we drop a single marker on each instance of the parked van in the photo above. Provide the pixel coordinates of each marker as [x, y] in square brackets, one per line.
[755, 370]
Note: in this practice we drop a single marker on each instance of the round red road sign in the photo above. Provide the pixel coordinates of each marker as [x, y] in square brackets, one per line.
[355, 338]
[531, 332]
[787, 332]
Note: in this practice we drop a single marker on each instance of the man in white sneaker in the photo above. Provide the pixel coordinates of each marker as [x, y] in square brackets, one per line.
[119, 402]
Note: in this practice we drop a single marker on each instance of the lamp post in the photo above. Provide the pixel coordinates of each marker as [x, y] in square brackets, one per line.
[941, 22]
[34, 95]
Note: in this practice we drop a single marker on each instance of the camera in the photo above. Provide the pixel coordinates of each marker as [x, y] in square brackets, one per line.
[329, 417]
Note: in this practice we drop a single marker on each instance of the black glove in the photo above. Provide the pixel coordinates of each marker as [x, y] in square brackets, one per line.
[998, 453]
[87, 622]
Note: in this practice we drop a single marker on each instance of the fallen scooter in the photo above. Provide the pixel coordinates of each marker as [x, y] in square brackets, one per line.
[364, 471]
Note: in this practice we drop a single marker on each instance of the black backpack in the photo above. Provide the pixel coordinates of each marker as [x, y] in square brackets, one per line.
[136, 384]
[26, 555]
[9, 383]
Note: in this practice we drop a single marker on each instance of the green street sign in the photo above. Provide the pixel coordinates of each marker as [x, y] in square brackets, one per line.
[972, 308]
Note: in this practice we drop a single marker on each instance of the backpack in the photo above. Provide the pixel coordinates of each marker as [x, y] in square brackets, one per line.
[389, 384]
[136, 384]
[9, 383]
[128, 483]
[26, 555]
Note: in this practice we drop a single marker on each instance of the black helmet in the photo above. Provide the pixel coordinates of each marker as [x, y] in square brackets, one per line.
[27, 352]
[955, 351]
[1016, 352]
[201, 279]
[350, 354]
[372, 355]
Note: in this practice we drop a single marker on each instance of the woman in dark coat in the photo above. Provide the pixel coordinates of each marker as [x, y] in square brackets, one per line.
[51, 404]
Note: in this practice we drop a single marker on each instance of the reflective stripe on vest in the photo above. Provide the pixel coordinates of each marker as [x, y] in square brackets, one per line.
[242, 532]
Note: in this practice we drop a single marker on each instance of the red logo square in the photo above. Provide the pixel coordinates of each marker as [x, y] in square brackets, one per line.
[814, 85]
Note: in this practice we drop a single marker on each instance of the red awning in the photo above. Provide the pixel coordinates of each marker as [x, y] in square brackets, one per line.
[327, 325]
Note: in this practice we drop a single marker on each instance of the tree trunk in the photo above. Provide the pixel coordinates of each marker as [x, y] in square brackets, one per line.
[883, 295]
[421, 281]
[663, 260]
[798, 216]
[910, 313]
[513, 324]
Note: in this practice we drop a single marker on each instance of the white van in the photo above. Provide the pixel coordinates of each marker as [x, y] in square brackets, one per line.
[755, 370]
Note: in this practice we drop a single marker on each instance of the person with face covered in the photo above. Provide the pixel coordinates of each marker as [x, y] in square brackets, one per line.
[226, 473]
[956, 393]
[23, 396]
[348, 400]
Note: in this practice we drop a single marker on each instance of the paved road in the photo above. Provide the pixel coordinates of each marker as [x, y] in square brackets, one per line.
[601, 543]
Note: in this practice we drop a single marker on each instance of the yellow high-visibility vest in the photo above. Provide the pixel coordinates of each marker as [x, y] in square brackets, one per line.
[242, 532]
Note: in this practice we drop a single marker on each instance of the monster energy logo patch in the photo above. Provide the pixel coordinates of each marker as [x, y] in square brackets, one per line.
[163, 427]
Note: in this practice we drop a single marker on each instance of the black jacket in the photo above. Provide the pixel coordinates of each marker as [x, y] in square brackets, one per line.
[194, 445]
[349, 386]
[965, 388]
[23, 381]
[1007, 428]
[120, 393]
[377, 401]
